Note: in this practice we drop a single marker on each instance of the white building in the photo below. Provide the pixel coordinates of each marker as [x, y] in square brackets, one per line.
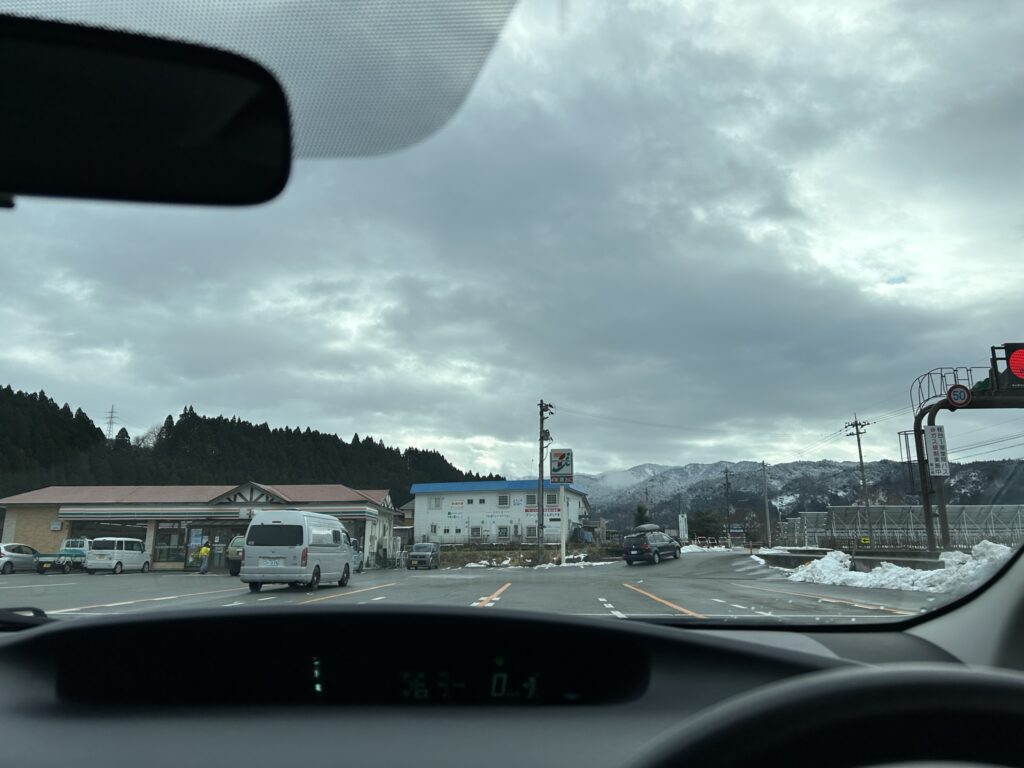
[494, 511]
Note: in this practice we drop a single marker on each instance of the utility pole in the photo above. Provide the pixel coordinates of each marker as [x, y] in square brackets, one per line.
[858, 429]
[547, 410]
[767, 514]
[728, 511]
[111, 420]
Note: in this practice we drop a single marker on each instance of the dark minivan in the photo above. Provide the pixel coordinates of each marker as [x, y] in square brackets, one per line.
[652, 546]
[424, 555]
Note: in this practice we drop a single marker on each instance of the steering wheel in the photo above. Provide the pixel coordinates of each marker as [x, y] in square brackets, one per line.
[858, 717]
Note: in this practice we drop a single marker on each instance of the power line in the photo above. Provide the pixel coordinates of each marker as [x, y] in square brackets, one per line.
[661, 425]
[994, 450]
[989, 426]
[985, 443]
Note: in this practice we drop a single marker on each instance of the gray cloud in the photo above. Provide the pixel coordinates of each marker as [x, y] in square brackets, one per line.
[659, 215]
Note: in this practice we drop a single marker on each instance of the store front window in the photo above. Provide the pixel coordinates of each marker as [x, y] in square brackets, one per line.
[170, 543]
[218, 537]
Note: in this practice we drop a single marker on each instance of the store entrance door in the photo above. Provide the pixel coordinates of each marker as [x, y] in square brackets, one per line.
[218, 536]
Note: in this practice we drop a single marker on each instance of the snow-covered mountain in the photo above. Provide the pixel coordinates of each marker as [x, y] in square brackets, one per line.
[791, 486]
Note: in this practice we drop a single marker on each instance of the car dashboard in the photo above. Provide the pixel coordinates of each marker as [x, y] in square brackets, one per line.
[389, 685]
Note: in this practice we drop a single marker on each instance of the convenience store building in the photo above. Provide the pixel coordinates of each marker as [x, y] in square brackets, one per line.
[174, 520]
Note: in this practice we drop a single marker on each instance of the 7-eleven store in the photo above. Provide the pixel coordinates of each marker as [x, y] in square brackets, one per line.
[174, 520]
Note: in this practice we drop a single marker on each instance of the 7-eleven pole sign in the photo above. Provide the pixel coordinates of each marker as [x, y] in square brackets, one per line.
[561, 465]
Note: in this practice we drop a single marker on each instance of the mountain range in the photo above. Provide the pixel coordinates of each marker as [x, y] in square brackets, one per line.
[792, 487]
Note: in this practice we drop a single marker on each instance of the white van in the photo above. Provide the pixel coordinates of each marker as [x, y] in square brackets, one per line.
[110, 553]
[290, 546]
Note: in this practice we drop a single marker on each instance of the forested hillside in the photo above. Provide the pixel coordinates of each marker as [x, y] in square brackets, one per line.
[42, 443]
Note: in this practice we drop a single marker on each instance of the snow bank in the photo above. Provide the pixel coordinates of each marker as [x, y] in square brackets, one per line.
[574, 560]
[961, 574]
[773, 551]
[580, 564]
[694, 548]
[758, 560]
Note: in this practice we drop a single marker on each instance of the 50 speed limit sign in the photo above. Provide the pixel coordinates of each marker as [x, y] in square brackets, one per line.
[958, 396]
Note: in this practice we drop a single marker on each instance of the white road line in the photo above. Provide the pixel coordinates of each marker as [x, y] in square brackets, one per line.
[261, 599]
[34, 586]
[143, 600]
[718, 601]
[602, 600]
[619, 614]
[228, 605]
[764, 613]
[382, 597]
[741, 607]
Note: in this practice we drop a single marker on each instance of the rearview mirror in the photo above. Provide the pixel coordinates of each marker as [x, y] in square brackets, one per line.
[94, 113]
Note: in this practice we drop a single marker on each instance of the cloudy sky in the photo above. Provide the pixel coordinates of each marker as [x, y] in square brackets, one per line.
[704, 231]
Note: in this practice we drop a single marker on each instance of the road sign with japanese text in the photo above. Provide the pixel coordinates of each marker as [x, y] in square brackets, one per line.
[935, 449]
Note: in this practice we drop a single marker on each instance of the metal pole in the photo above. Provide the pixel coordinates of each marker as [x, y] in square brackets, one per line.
[922, 469]
[728, 512]
[562, 514]
[939, 486]
[767, 514]
[540, 488]
[857, 431]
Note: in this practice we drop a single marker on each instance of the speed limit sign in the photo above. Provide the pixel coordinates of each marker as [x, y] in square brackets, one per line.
[959, 396]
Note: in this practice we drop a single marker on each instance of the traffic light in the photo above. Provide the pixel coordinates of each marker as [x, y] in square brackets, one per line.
[1012, 379]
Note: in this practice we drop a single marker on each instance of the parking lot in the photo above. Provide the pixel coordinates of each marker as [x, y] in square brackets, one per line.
[711, 585]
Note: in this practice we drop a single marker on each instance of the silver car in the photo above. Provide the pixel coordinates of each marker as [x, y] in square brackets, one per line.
[17, 557]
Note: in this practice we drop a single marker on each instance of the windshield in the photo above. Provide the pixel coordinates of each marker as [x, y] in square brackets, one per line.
[274, 536]
[747, 274]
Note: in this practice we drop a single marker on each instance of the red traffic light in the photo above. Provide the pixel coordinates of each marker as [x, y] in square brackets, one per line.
[1015, 362]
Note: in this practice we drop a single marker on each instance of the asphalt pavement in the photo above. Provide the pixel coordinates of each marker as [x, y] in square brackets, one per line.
[704, 585]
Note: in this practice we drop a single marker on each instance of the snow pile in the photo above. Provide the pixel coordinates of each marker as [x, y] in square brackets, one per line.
[580, 564]
[490, 563]
[695, 548]
[962, 572]
[758, 560]
[773, 551]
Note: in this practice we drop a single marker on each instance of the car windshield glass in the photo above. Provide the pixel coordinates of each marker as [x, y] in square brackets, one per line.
[547, 279]
[274, 536]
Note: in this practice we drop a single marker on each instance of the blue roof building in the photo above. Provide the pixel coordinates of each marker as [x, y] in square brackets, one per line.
[495, 511]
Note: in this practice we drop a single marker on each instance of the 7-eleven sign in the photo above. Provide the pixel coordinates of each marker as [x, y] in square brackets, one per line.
[561, 466]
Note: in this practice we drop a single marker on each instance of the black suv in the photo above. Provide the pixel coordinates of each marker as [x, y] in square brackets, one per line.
[652, 546]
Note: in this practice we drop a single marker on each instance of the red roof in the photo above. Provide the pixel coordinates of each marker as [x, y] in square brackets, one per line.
[186, 494]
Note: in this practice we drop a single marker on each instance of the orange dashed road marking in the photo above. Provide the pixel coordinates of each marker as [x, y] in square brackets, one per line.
[657, 599]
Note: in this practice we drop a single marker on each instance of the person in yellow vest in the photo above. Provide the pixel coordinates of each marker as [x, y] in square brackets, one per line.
[204, 557]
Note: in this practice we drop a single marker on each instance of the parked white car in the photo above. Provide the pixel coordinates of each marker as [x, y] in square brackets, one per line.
[110, 553]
